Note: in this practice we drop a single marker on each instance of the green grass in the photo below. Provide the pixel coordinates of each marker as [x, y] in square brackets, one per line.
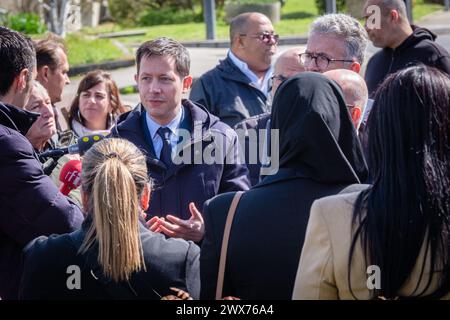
[82, 50]
[421, 9]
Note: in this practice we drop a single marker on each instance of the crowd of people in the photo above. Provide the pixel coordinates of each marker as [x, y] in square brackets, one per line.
[174, 199]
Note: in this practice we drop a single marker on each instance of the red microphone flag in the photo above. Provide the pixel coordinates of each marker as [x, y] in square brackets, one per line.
[70, 176]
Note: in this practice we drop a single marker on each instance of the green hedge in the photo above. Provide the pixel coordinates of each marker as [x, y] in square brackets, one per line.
[28, 23]
[322, 5]
[168, 16]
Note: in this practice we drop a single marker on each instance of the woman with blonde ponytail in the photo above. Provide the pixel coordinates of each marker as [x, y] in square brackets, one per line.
[113, 255]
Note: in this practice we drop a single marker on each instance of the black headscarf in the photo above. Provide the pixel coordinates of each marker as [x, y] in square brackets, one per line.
[317, 137]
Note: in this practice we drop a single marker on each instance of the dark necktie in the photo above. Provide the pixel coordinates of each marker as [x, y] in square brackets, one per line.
[166, 151]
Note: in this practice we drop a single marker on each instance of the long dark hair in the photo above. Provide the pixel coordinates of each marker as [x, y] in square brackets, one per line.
[408, 205]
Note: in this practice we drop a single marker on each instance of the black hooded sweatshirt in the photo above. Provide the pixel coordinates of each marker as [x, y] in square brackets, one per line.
[419, 47]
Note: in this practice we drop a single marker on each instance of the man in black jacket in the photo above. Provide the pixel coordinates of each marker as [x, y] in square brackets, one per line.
[402, 44]
[30, 204]
[238, 87]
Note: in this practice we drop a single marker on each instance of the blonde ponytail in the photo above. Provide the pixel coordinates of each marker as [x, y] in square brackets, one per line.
[114, 174]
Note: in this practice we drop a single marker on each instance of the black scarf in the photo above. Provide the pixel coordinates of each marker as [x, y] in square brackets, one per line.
[317, 137]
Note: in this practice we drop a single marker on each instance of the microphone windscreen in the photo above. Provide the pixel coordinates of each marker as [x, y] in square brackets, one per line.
[70, 176]
[85, 142]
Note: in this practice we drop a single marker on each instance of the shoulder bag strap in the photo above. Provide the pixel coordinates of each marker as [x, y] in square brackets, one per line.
[226, 237]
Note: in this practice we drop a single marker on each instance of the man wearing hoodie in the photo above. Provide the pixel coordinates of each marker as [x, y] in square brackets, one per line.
[402, 43]
[191, 155]
[30, 204]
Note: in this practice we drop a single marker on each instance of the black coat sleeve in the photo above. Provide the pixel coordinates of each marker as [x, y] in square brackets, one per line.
[199, 94]
[31, 204]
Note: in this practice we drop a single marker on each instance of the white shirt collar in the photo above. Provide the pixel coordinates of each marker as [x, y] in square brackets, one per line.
[262, 85]
[173, 125]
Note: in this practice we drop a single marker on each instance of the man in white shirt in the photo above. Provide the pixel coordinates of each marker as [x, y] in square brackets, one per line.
[238, 87]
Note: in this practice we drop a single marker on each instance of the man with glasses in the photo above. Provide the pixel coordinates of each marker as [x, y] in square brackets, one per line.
[336, 41]
[238, 87]
[287, 65]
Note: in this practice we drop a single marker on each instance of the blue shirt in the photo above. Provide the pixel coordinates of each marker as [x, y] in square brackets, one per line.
[173, 125]
[262, 85]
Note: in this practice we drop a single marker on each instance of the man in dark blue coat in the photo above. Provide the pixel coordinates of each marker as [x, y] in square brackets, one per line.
[30, 204]
[238, 87]
[191, 155]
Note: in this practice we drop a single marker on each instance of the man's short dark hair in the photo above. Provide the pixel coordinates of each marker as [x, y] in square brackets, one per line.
[165, 47]
[398, 5]
[46, 51]
[16, 53]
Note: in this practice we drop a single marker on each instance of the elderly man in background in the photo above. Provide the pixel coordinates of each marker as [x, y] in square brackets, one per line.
[355, 92]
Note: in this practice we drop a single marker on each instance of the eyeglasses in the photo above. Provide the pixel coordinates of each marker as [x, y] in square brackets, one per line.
[321, 60]
[278, 77]
[265, 37]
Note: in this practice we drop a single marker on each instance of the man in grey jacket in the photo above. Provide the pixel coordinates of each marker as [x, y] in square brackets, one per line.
[238, 87]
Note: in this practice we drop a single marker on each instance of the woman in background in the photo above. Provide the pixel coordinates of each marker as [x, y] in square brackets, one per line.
[96, 105]
[397, 231]
[113, 255]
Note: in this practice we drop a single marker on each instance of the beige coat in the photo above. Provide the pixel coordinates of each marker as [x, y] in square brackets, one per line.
[323, 268]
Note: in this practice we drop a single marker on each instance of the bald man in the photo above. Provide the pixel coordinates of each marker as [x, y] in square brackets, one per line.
[238, 87]
[402, 43]
[355, 92]
[287, 65]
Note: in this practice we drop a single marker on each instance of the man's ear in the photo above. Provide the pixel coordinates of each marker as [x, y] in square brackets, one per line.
[22, 80]
[394, 15]
[42, 74]
[136, 78]
[355, 113]
[239, 41]
[187, 83]
[145, 198]
[355, 67]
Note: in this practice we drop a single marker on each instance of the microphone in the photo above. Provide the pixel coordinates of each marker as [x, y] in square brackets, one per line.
[83, 144]
[70, 176]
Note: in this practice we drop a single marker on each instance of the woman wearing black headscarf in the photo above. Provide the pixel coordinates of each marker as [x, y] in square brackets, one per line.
[319, 156]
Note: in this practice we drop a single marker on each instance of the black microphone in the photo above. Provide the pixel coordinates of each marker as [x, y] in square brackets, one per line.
[83, 144]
